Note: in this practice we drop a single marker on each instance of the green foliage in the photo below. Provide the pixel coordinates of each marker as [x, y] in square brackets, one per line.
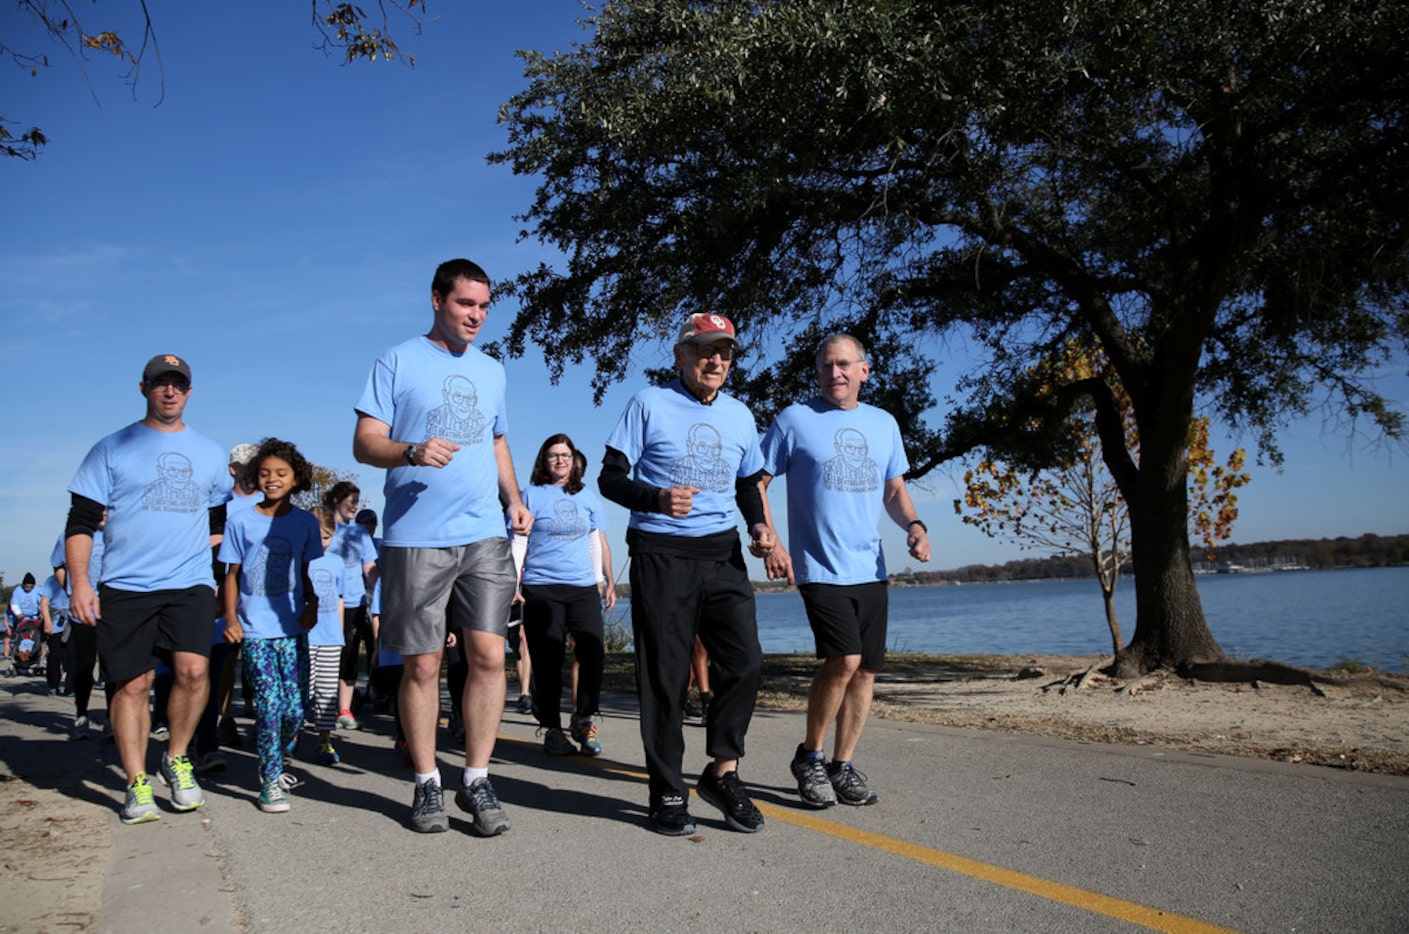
[617, 635]
[324, 479]
[1210, 194]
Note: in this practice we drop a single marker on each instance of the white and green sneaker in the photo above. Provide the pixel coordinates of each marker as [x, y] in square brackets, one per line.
[140, 806]
[180, 776]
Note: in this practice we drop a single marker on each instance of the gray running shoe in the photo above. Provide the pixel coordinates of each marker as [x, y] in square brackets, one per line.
[179, 775]
[479, 800]
[850, 784]
[428, 809]
[813, 785]
[272, 799]
[161, 733]
[140, 806]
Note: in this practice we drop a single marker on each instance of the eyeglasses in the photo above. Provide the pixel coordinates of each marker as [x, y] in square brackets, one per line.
[705, 351]
[180, 385]
[559, 457]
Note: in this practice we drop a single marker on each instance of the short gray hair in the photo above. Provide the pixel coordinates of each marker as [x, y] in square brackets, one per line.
[831, 339]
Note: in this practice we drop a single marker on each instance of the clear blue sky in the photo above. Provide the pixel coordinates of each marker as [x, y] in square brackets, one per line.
[277, 219]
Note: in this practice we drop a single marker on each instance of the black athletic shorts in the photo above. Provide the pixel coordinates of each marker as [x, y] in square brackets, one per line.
[848, 620]
[136, 626]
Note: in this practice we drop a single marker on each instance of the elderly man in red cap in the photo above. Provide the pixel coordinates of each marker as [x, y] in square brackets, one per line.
[681, 458]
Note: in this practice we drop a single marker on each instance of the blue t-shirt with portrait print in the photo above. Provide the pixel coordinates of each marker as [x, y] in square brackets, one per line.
[353, 544]
[159, 487]
[328, 575]
[837, 462]
[271, 552]
[58, 601]
[424, 391]
[563, 524]
[673, 439]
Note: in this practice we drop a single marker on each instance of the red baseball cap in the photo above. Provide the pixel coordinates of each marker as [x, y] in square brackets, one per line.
[706, 328]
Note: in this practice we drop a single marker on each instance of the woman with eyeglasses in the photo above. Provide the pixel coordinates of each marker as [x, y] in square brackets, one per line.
[559, 588]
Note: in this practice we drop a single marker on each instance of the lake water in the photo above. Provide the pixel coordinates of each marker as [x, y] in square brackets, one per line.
[1313, 618]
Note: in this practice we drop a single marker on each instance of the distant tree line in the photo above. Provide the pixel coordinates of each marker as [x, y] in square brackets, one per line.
[1365, 551]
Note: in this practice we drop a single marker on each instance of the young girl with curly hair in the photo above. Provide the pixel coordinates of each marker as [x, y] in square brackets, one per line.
[270, 605]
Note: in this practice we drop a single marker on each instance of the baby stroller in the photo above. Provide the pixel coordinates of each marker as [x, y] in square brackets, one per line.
[27, 644]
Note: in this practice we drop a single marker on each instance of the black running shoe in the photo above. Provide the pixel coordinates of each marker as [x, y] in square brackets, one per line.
[670, 817]
[727, 793]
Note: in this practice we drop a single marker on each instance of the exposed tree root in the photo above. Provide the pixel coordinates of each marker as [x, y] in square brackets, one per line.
[1078, 681]
[1150, 682]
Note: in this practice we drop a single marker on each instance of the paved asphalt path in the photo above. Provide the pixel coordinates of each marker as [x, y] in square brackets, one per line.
[976, 831]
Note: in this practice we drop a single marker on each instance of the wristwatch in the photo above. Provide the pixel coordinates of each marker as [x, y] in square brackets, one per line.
[411, 452]
[924, 528]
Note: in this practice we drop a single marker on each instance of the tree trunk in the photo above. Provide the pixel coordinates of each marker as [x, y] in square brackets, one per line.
[1170, 629]
[1108, 598]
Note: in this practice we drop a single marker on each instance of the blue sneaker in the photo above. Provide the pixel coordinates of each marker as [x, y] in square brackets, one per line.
[327, 755]
[556, 743]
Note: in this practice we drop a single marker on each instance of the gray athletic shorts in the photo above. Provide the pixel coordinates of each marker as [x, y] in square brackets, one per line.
[428, 591]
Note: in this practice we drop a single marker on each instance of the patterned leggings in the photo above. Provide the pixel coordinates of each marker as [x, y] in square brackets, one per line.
[272, 670]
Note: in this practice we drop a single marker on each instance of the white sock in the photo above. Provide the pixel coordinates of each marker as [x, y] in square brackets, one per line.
[428, 777]
[473, 775]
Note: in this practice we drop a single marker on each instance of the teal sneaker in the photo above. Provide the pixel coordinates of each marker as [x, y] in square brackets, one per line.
[584, 732]
[271, 797]
[140, 806]
[180, 776]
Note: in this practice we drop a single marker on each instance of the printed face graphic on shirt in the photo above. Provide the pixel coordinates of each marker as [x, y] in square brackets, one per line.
[173, 489]
[704, 466]
[852, 470]
[323, 586]
[568, 521]
[271, 572]
[458, 419]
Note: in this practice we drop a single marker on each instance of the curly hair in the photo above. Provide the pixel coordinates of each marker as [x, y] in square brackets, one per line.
[540, 475]
[285, 451]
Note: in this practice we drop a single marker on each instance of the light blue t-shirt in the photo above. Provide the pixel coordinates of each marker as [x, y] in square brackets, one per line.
[271, 552]
[26, 602]
[327, 575]
[238, 504]
[558, 542]
[837, 462]
[423, 391]
[59, 559]
[672, 439]
[58, 601]
[354, 547]
[159, 487]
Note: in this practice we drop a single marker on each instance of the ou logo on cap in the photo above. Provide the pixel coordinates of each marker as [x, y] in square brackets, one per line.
[717, 321]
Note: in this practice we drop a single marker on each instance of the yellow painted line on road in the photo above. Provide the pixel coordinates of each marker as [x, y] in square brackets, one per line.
[1094, 902]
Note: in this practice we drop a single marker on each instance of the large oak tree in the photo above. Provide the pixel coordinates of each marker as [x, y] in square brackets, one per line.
[1212, 192]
